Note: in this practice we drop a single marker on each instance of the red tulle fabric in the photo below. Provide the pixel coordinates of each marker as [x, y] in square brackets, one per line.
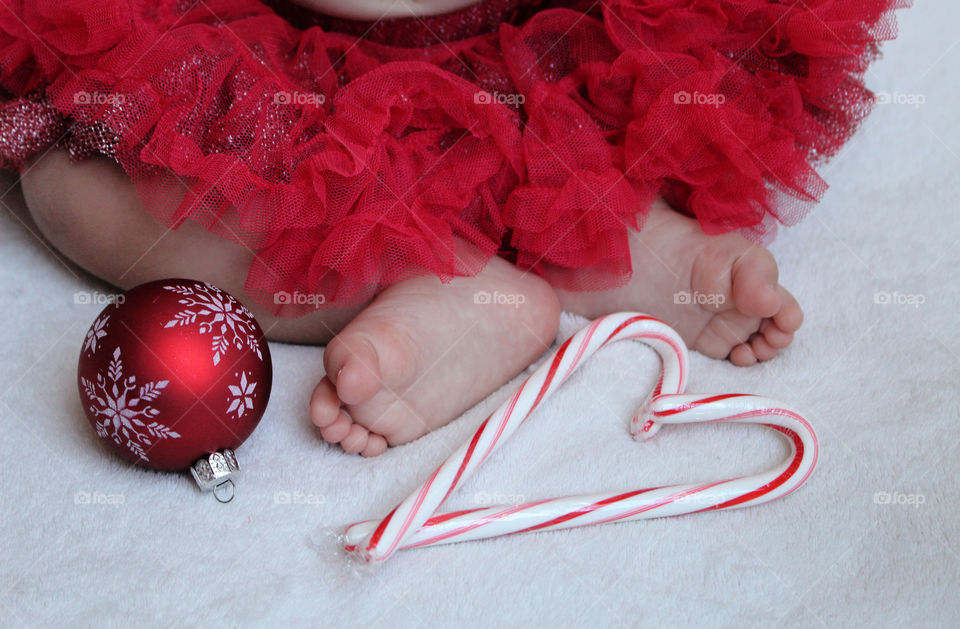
[351, 155]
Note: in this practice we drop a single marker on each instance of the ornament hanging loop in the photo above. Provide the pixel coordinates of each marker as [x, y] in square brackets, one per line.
[216, 472]
[224, 492]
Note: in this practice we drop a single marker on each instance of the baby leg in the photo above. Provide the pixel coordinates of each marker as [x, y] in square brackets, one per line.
[90, 212]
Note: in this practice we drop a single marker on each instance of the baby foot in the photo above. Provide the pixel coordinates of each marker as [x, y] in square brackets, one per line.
[424, 352]
[719, 292]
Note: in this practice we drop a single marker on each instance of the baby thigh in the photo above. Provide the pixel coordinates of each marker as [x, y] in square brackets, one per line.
[91, 213]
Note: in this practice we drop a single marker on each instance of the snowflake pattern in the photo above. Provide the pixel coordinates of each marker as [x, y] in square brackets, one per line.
[96, 332]
[122, 414]
[227, 320]
[241, 396]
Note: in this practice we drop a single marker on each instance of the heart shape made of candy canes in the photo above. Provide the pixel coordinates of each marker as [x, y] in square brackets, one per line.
[414, 522]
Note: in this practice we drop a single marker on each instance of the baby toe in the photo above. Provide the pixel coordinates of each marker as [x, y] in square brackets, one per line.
[724, 332]
[335, 432]
[376, 445]
[355, 440]
[761, 349]
[774, 336]
[711, 345]
[790, 316]
[352, 364]
[742, 356]
[324, 404]
[755, 284]
[734, 327]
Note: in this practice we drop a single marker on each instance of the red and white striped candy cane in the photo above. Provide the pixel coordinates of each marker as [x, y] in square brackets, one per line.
[573, 511]
[413, 522]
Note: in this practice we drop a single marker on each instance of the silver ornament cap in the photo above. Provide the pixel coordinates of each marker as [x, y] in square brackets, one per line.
[216, 472]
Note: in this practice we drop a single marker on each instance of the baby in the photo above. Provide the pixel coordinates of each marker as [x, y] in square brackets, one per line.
[421, 351]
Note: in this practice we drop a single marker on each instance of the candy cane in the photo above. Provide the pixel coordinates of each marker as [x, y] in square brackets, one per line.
[413, 522]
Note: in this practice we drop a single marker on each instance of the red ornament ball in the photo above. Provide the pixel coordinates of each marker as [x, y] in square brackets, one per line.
[174, 370]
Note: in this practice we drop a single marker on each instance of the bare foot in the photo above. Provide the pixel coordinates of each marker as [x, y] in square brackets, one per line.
[424, 352]
[719, 292]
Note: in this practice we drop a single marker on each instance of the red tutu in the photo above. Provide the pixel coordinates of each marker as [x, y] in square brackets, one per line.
[351, 155]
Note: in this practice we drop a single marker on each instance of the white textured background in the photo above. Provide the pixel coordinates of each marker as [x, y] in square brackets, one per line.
[880, 382]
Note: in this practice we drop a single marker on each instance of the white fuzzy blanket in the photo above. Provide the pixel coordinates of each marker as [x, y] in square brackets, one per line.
[879, 382]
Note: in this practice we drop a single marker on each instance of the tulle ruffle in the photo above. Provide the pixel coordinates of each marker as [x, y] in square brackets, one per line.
[348, 165]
